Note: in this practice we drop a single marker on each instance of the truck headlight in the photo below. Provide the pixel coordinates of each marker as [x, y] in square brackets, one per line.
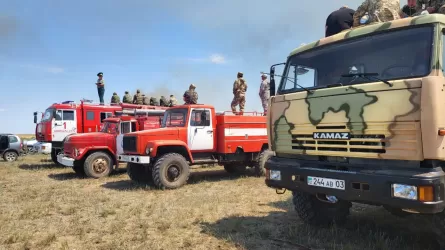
[404, 191]
[275, 175]
[148, 150]
[76, 152]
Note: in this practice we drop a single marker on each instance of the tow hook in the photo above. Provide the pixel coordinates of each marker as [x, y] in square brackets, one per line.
[276, 191]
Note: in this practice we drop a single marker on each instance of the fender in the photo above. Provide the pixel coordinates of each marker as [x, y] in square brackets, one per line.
[85, 150]
[156, 144]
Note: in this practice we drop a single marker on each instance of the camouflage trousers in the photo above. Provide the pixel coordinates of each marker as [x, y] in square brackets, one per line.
[238, 100]
[264, 102]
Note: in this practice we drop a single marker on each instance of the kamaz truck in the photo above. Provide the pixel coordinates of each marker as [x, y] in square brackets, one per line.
[360, 117]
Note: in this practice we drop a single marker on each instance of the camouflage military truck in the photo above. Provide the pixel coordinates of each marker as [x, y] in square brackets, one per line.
[360, 117]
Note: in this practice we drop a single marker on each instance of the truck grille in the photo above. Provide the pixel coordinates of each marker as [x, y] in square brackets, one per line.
[129, 143]
[357, 144]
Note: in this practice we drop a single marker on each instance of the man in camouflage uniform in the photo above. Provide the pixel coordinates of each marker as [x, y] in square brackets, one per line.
[127, 98]
[115, 98]
[172, 102]
[264, 92]
[239, 93]
[145, 100]
[100, 87]
[154, 101]
[432, 6]
[378, 11]
[137, 98]
[191, 96]
[163, 101]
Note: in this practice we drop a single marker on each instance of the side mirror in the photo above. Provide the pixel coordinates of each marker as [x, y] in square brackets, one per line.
[35, 117]
[272, 81]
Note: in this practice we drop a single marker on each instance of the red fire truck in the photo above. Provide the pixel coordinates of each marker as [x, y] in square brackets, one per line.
[192, 135]
[66, 118]
[94, 154]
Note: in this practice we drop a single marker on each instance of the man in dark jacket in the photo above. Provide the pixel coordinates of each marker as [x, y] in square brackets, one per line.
[339, 20]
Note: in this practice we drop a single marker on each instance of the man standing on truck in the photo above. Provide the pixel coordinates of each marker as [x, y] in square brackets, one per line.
[137, 98]
[264, 92]
[432, 6]
[115, 98]
[239, 93]
[127, 97]
[339, 20]
[377, 11]
[172, 102]
[191, 96]
[100, 87]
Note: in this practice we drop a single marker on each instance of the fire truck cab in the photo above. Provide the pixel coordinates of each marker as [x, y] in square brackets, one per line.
[67, 118]
[194, 135]
[94, 154]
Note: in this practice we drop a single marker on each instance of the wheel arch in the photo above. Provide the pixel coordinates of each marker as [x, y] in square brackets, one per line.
[179, 149]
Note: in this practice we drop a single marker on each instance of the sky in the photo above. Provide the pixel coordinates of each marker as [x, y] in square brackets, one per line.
[51, 51]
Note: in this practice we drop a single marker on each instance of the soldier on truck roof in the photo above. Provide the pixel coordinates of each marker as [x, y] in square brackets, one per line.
[100, 87]
[115, 98]
[127, 97]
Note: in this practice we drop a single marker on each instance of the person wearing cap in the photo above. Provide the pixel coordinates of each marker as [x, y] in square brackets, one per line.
[115, 98]
[172, 102]
[264, 92]
[127, 97]
[239, 93]
[137, 98]
[100, 87]
[191, 96]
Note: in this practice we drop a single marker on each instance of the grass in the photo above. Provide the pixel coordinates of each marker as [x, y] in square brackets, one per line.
[47, 207]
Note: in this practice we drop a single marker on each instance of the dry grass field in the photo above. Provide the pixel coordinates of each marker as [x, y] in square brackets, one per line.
[47, 207]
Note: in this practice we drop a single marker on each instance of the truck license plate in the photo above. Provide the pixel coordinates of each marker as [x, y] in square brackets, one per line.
[326, 182]
[125, 158]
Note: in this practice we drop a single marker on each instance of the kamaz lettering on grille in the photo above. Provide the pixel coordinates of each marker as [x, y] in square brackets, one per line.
[331, 135]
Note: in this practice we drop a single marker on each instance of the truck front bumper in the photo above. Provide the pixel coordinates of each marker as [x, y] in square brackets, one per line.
[134, 159]
[366, 186]
[64, 160]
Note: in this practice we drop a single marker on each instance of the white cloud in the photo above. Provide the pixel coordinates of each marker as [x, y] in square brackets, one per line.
[214, 58]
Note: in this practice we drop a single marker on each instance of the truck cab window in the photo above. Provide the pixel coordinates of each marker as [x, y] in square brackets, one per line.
[105, 115]
[298, 76]
[68, 115]
[59, 115]
[125, 127]
[200, 118]
[133, 126]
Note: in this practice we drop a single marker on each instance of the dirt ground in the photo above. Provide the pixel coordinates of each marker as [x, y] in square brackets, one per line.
[43, 206]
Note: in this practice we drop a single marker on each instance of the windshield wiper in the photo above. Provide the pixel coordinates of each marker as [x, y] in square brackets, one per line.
[289, 79]
[368, 76]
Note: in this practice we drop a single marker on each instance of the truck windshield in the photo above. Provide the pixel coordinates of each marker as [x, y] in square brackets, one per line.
[110, 128]
[174, 118]
[398, 54]
[48, 115]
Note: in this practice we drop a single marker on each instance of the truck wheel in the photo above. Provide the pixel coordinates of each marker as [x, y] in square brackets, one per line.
[54, 153]
[313, 211]
[170, 171]
[97, 165]
[139, 173]
[78, 169]
[263, 157]
[439, 228]
[10, 156]
[234, 168]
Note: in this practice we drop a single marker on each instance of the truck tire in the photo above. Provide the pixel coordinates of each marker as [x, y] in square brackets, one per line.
[234, 168]
[10, 156]
[97, 165]
[141, 174]
[439, 228]
[170, 171]
[315, 212]
[78, 169]
[263, 157]
[54, 153]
